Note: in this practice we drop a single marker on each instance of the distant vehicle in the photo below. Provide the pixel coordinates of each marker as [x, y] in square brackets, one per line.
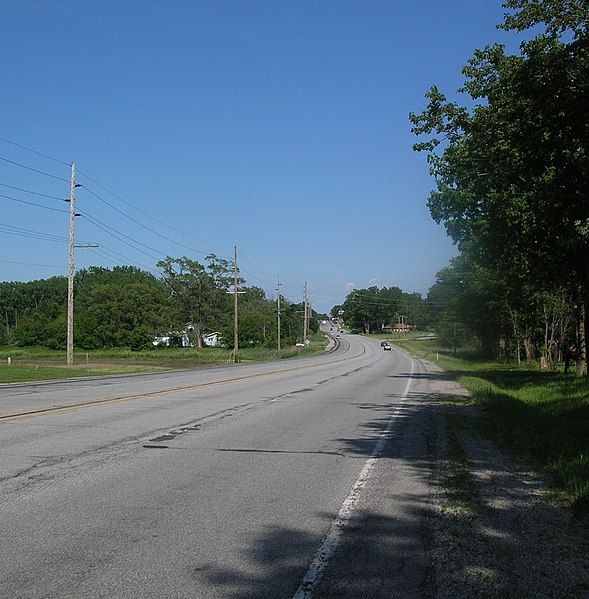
[386, 346]
[337, 336]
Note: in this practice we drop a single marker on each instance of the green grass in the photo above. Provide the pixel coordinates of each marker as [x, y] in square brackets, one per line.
[540, 416]
[18, 374]
[39, 363]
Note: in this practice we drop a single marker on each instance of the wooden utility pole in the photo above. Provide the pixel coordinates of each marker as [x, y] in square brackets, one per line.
[278, 310]
[305, 319]
[70, 269]
[235, 332]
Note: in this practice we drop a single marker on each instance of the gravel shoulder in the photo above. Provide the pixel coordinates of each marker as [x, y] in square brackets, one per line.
[448, 515]
[496, 529]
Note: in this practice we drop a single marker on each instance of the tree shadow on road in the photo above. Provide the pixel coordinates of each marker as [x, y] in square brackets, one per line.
[447, 516]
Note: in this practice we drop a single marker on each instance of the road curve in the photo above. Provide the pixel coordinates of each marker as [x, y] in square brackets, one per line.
[214, 483]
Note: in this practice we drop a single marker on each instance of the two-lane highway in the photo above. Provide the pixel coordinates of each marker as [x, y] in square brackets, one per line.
[213, 483]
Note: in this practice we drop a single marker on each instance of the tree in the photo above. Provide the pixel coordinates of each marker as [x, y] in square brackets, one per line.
[198, 291]
[371, 309]
[118, 307]
[512, 173]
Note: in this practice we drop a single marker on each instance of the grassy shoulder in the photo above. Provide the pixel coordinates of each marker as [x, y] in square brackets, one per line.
[540, 416]
[42, 364]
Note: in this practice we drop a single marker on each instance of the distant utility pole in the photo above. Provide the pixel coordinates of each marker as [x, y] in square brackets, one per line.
[278, 310]
[305, 317]
[70, 269]
[235, 292]
[235, 332]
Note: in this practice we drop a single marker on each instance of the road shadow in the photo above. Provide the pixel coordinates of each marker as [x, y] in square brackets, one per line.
[463, 523]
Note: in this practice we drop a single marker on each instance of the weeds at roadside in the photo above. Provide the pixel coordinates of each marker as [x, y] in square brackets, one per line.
[542, 417]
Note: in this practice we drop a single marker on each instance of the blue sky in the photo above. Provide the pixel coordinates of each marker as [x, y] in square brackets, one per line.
[279, 126]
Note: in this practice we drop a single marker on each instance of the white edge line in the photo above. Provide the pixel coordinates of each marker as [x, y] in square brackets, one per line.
[331, 542]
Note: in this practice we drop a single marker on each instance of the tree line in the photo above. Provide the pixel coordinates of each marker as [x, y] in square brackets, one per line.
[511, 168]
[126, 307]
[372, 310]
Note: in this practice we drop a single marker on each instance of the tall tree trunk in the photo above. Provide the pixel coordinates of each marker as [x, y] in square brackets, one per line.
[529, 347]
[546, 348]
[583, 328]
[518, 348]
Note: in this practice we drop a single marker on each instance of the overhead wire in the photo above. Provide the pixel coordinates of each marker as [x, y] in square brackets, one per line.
[243, 270]
[113, 232]
[13, 199]
[157, 220]
[169, 239]
[30, 168]
[267, 273]
[31, 264]
[43, 195]
[103, 256]
[21, 232]
[108, 255]
[120, 256]
[404, 303]
[120, 236]
[34, 151]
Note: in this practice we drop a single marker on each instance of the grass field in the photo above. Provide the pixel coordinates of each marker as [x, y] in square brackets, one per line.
[540, 416]
[39, 363]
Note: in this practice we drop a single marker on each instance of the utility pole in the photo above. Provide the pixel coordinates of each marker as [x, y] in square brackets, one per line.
[235, 333]
[278, 310]
[305, 318]
[70, 269]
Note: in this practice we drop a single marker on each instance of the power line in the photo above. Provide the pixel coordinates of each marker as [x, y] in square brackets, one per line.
[268, 274]
[146, 214]
[169, 239]
[117, 255]
[43, 195]
[34, 170]
[20, 231]
[117, 235]
[242, 270]
[110, 257]
[13, 143]
[30, 263]
[31, 203]
[157, 220]
[103, 256]
[139, 210]
[386, 301]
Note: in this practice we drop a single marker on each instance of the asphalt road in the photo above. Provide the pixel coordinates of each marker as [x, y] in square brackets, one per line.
[217, 483]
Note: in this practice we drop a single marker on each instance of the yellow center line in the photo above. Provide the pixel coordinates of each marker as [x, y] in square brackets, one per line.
[123, 398]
